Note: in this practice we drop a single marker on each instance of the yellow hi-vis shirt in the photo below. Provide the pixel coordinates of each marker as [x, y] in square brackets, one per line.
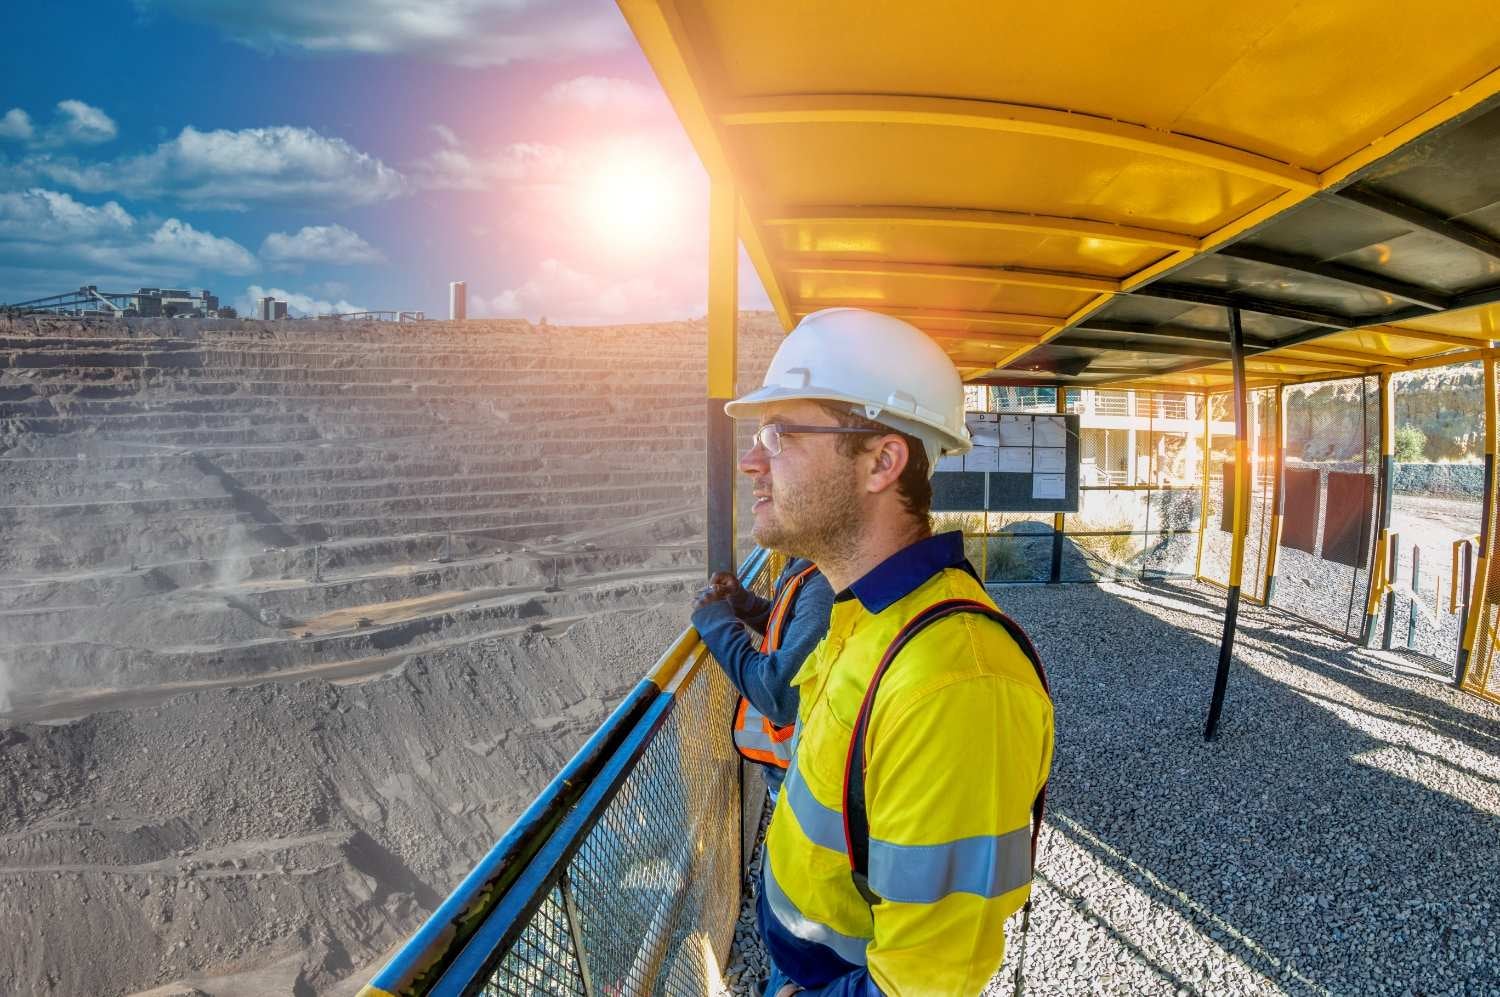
[959, 744]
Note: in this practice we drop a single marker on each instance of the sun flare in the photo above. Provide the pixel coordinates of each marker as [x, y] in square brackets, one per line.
[631, 201]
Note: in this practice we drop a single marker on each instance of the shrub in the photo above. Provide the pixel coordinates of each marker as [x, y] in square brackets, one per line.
[1410, 444]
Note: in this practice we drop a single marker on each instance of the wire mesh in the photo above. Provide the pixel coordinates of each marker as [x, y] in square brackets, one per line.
[1331, 427]
[544, 960]
[1435, 503]
[1141, 498]
[648, 902]
[1217, 535]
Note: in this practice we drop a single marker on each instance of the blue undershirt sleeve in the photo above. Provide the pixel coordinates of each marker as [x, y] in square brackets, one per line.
[766, 678]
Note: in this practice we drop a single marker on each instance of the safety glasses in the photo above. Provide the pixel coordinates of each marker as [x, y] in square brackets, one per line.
[769, 436]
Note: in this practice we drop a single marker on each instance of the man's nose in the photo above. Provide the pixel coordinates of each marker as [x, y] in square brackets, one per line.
[755, 461]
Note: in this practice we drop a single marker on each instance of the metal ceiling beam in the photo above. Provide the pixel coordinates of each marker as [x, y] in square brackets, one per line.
[1167, 349]
[1421, 218]
[1339, 353]
[1348, 276]
[1021, 119]
[917, 316]
[821, 266]
[969, 218]
[1158, 331]
[1202, 296]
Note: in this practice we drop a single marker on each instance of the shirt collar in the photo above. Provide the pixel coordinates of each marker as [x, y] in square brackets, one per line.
[901, 574]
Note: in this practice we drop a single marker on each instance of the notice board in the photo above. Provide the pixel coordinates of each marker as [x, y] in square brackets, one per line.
[1021, 462]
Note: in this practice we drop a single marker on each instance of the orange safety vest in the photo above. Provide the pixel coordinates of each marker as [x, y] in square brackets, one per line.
[755, 737]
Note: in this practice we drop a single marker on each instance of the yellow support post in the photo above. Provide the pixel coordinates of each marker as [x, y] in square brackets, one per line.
[1379, 571]
[1242, 484]
[1478, 594]
[723, 325]
[1278, 495]
[1203, 454]
[1055, 575]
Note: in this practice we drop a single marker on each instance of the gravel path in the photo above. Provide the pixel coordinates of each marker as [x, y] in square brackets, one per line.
[1341, 837]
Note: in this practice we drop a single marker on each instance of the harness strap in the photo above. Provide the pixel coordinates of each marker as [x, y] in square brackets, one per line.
[856, 817]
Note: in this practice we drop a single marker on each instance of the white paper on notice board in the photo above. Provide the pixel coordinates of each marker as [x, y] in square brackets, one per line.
[1051, 460]
[983, 428]
[952, 463]
[1051, 431]
[1049, 486]
[1015, 431]
[1015, 460]
[982, 459]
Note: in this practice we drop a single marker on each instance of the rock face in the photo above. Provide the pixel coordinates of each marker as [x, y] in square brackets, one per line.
[1324, 422]
[297, 619]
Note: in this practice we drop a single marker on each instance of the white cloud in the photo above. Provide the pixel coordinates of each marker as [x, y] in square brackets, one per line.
[453, 168]
[16, 125]
[177, 241]
[47, 228]
[561, 293]
[49, 216]
[470, 33]
[445, 135]
[298, 305]
[82, 124]
[75, 123]
[230, 169]
[604, 93]
[321, 244]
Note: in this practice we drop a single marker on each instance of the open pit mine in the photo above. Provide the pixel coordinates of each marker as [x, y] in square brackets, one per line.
[296, 619]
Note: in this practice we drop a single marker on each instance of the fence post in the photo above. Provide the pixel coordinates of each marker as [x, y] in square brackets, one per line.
[1416, 593]
[1055, 575]
[1477, 595]
[1392, 571]
[575, 929]
[1278, 496]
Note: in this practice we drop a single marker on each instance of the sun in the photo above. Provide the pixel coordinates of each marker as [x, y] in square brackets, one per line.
[631, 200]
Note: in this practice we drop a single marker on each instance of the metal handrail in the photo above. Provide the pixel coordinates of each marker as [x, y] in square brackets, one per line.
[482, 917]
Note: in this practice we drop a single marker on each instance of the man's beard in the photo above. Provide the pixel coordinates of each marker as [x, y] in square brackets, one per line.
[822, 518]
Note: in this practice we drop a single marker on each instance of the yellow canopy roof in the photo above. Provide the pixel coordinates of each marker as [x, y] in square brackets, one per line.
[1074, 193]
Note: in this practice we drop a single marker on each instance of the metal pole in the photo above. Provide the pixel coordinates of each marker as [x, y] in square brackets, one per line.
[1203, 502]
[1241, 520]
[1384, 551]
[575, 929]
[1463, 619]
[1392, 570]
[723, 321]
[1478, 595]
[1055, 575]
[1278, 497]
[1416, 592]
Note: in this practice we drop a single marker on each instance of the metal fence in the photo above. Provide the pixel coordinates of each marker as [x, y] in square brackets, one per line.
[623, 877]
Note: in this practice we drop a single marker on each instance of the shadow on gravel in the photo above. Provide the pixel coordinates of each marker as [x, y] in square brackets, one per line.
[1339, 837]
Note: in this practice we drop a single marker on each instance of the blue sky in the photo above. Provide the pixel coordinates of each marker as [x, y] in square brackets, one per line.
[350, 155]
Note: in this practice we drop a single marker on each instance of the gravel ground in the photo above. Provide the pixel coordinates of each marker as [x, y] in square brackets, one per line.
[1340, 837]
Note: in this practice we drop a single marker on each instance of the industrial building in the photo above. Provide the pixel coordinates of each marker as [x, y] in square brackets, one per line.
[146, 302]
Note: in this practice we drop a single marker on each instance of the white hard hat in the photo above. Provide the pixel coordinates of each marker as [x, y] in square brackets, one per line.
[886, 369]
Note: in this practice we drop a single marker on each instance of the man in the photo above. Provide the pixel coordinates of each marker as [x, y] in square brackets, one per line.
[855, 411]
[790, 625]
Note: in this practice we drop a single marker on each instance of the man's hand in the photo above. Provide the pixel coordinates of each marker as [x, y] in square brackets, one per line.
[723, 585]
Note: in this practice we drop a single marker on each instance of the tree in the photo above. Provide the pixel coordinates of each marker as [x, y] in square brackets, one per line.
[1410, 443]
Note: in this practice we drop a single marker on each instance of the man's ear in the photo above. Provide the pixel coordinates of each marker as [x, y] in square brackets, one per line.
[890, 456]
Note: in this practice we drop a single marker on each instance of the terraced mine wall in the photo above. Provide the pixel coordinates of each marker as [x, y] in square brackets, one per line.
[295, 619]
